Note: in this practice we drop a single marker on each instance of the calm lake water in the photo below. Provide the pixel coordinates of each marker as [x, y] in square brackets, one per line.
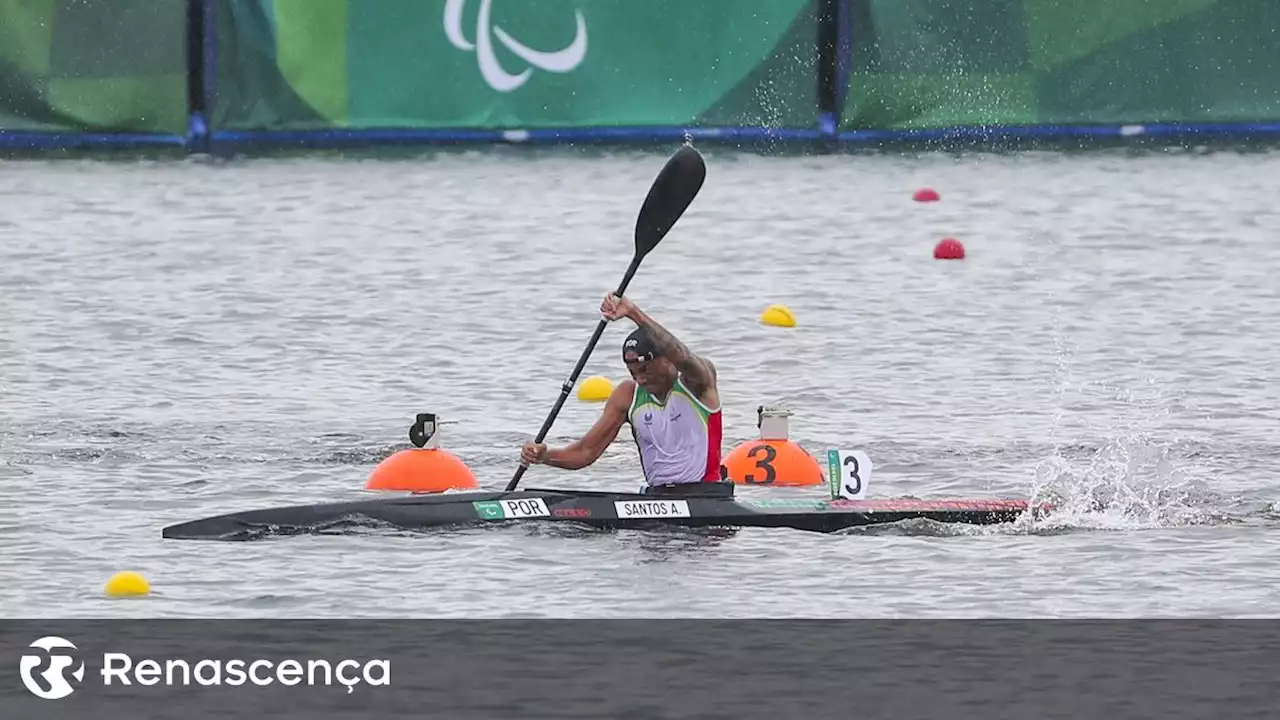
[189, 337]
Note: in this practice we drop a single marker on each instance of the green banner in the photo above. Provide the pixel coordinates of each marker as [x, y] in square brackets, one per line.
[940, 63]
[110, 67]
[503, 64]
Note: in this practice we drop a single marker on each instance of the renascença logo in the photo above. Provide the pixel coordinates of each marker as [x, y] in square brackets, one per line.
[55, 684]
[120, 668]
[558, 61]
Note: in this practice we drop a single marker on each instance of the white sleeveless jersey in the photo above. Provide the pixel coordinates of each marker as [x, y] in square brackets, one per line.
[679, 440]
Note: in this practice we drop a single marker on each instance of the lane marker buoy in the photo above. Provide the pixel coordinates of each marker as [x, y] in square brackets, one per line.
[778, 316]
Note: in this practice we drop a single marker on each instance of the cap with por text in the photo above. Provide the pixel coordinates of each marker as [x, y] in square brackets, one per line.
[639, 347]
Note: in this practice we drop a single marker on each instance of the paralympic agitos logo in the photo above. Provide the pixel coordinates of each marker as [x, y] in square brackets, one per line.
[121, 669]
[557, 61]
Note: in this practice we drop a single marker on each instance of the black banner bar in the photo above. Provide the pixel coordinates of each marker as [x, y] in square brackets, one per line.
[721, 670]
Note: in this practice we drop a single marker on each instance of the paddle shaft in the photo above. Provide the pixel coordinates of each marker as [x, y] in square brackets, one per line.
[577, 370]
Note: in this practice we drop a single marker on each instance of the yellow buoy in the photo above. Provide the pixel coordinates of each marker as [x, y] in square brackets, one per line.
[778, 316]
[596, 388]
[127, 584]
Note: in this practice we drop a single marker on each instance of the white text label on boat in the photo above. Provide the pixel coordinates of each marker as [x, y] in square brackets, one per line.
[849, 472]
[503, 509]
[651, 508]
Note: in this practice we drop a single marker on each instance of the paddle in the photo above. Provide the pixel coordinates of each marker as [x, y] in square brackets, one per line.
[672, 192]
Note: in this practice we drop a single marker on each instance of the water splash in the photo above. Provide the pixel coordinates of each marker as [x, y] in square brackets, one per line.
[1131, 483]
[1133, 479]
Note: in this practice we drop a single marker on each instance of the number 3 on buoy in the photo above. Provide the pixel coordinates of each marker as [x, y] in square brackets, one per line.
[849, 472]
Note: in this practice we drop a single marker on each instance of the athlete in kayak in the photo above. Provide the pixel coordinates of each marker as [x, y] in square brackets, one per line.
[671, 403]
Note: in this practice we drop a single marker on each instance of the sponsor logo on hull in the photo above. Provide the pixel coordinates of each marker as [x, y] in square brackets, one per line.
[885, 505]
[920, 505]
[651, 508]
[576, 512]
[785, 504]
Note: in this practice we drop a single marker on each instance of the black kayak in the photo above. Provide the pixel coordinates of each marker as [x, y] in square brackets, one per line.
[694, 506]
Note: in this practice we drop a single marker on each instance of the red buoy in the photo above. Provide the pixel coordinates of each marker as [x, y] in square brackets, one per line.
[926, 195]
[948, 249]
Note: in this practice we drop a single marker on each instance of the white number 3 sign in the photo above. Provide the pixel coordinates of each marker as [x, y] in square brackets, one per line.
[849, 472]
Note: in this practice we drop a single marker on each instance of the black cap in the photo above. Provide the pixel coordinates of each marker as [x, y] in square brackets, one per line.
[639, 347]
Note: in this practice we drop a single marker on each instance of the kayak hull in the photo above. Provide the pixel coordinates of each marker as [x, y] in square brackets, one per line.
[605, 510]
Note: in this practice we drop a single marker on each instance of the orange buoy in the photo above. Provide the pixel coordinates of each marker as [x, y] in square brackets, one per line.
[773, 458]
[422, 469]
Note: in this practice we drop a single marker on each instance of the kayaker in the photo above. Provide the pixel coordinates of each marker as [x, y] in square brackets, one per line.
[671, 403]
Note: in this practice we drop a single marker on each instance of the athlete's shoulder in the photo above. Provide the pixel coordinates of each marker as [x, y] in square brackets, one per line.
[703, 386]
[617, 409]
[624, 394]
[711, 368]
[704, 380]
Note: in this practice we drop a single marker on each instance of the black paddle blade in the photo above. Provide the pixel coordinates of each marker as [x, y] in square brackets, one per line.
[672, 192]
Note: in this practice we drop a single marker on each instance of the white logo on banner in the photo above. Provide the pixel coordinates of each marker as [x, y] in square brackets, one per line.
[55, 677]
[557, 61]
[121, 668]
